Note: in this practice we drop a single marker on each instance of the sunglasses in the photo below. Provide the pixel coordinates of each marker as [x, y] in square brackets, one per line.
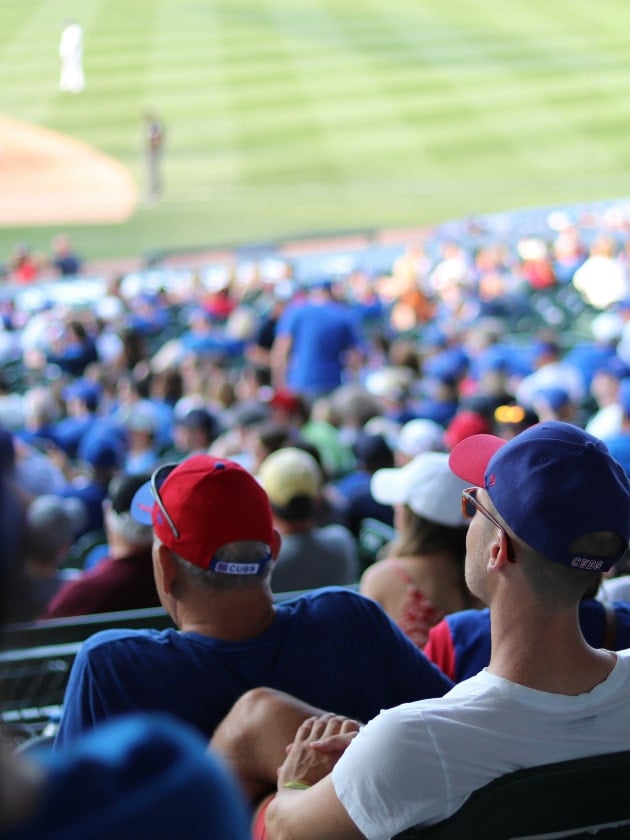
[470, 505]
[157, 480]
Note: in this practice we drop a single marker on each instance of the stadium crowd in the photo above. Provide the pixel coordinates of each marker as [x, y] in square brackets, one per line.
[300, 426]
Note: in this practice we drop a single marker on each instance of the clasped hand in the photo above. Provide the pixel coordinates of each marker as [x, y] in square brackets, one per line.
[316, 748]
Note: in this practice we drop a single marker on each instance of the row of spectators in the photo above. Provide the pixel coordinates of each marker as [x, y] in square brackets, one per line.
[352, 370]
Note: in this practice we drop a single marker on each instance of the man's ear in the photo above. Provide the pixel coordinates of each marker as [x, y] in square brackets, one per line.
[500, 551]
[275, 546]
[167, 567]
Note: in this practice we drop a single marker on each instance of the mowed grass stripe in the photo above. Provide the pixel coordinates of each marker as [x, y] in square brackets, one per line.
[507, 126]
[344, 91]
[286, 117]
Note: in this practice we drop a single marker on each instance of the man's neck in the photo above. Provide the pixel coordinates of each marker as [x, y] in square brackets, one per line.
[547, 652]
[119, 547]
[300, 526]
[232, 616]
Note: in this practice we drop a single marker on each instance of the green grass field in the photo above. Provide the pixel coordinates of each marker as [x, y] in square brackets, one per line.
[294, 116]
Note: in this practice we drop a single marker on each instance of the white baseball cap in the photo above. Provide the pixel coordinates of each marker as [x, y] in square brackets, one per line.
[427, 485]
[420, 435]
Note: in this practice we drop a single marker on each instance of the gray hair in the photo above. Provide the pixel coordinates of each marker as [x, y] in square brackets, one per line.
[245, 551]
[124, 526]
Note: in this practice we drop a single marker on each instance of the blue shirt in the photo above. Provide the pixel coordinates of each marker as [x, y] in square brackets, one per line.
[333, 648]
[619, 448]
[460, 643]
[320, 335]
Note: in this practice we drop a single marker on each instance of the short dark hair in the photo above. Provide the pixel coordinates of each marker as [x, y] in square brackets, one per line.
[300, 507]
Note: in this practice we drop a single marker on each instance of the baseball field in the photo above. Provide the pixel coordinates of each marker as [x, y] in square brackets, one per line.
[286, 117]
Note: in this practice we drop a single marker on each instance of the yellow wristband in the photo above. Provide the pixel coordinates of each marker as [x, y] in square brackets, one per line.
[296, 785]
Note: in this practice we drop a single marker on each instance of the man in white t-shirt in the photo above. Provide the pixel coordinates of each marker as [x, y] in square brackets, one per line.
[550, 510]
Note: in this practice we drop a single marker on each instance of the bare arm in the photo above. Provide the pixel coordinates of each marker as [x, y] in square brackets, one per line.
[279, 359]
[314, 813]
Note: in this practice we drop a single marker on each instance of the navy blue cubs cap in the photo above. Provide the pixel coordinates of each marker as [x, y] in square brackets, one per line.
[551, 484]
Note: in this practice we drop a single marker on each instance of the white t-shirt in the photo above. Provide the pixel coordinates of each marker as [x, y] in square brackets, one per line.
[417, 763]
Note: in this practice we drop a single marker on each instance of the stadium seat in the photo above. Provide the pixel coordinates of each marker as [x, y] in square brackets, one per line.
[581, 798]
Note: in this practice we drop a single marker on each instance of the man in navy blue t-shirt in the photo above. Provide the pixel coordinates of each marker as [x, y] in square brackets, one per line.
[214, 548]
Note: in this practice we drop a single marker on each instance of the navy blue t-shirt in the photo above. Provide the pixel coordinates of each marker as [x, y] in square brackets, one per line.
[332, 648]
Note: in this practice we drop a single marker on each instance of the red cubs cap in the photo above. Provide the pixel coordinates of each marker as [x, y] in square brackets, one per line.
[202, 504]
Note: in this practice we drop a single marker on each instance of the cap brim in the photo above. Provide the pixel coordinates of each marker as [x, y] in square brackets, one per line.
[388, 486]
[470, 457]
[142, 504]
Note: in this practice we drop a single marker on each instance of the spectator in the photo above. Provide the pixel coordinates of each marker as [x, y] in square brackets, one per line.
[373, 453]
[269, 437]
[214, 549]
[316, 343]
[242, 424]
[439, 399]
[142, 425]
[554, 404]
[64, 258]
[82, 398]
[421, 576]
[100, 458]
[41, 413]
[35, 472]
[605, 419]
[74, 349]
[288, 408]
[550, 371]
[123, 578]
[52, 524]
[195, 431]
[550, 511]
[323, 431]
[24, 267]
[309, 556]
[259, 351]
[602, 279]
[138, 775]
